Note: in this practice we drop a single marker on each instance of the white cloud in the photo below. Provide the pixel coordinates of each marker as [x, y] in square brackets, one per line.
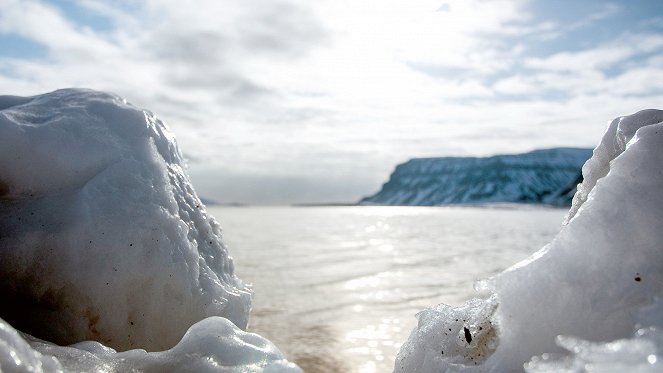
[600, 57]
[299, 89]
[516, 85]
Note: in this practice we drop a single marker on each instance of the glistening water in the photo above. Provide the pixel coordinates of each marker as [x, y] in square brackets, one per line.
[337, 288]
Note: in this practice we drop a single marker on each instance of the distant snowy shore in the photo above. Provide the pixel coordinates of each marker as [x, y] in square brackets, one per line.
[546, 176]
[105, 247]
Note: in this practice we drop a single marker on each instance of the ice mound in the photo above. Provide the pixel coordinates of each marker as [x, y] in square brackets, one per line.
[102, 236]
[212, 345]
[619, 133]
[588, 300]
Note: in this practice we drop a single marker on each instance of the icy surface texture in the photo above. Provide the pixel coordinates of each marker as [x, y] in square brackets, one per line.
[596, 284]
[102, 236]
[545, 176]
[620, 131]
[451, 337]
[640, 354]
[211, 345]
[16, 355]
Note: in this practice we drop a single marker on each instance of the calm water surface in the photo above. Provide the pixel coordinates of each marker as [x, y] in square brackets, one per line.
[337, 288]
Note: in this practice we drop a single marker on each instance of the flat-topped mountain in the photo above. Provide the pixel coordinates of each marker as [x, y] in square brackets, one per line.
[546, 176]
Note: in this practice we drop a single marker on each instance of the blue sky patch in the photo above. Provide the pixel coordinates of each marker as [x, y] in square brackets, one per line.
[14, 46]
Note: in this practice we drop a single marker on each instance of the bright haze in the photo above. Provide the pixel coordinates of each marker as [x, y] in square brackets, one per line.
[297, 101]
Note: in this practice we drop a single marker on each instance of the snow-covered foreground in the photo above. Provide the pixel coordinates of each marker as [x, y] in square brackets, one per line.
[102, 238]
[588, 301]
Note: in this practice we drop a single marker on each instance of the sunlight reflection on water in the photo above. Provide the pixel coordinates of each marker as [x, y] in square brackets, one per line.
[337, 288]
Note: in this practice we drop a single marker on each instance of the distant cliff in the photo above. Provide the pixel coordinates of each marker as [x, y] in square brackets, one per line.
[546, 176]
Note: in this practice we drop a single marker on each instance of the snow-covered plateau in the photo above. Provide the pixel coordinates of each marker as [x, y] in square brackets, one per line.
[109, 261]
[546, 176]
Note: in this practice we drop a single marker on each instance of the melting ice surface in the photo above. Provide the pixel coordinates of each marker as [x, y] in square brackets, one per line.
[103, 238]
[588, 301]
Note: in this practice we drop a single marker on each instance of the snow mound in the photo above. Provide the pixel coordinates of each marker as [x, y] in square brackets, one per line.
[615, 140]
[102, 236]
[211, 345]
[589, 300]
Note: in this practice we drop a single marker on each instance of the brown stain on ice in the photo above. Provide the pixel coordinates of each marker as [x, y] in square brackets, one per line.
[51, 299]
[92, 318]
[30, 308]
[4, 189]
[46, 312]
[483, 343]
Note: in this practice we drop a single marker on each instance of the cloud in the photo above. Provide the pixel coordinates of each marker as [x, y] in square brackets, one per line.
[601, 57]
[516, 86]
[332, 90]
[557, 29]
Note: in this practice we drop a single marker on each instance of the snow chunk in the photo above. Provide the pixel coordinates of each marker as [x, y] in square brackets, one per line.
[618, 134]
[211, 345]
[598, 282]
[102, 236]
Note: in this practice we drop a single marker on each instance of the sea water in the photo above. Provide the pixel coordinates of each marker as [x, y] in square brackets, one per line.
[337, 288]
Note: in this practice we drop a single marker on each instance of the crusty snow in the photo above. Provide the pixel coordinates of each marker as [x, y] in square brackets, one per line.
[103, 235]
[211, 345]
[103, 238]
[588, 301]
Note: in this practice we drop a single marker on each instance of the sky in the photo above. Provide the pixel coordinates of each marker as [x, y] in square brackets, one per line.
[299, 101]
